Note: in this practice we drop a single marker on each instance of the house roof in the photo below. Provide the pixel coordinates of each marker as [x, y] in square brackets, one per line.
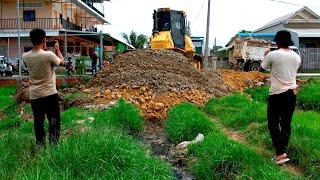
[288, 17]
[306, 32]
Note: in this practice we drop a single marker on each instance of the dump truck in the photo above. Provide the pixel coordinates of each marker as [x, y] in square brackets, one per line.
[247, 53]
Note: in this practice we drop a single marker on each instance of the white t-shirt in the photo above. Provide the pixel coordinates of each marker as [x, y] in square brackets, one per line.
[283, 65]
[41, 65]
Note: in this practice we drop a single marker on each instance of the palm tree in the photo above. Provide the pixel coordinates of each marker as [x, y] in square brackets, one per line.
[137, 41]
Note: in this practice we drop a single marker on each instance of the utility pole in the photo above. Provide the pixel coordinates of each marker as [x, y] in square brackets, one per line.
[101, 50]
[19, 26]
[206, 49]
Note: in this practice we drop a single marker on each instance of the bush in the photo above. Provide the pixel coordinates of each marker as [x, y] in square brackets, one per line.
[124, 115]
[237, 111]
[102, 153]
[218, 157]
[309, 96]
[185, 121]
[260, 94]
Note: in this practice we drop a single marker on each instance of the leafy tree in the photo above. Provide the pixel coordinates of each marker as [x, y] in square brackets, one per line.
[138, 41]
[220, 54]
[245, 31]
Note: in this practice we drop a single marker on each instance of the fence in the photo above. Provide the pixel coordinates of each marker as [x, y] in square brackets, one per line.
[310, 59]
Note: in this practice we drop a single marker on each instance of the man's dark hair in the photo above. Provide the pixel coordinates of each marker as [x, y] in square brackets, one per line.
[37, 36]
[283, 38]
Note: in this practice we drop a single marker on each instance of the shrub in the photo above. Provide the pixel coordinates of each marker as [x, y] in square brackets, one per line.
[124, 115]
[185, 121]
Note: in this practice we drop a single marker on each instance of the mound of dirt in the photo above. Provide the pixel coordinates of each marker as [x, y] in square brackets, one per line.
[238, 81]
[160, 70]
[155, 80]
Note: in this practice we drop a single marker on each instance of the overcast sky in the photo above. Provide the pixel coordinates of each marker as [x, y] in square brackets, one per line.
[227, 16]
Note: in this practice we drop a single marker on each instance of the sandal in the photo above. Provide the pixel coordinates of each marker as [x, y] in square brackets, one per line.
[281, 161]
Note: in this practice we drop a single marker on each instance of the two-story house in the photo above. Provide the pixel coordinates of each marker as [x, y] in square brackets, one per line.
[68, 21]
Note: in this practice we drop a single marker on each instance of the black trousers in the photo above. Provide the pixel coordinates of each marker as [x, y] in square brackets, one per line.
[280, 111]
[46, 106]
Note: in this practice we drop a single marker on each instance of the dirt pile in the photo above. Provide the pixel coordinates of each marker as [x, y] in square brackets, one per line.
[155, 80]
[238, 81]
[160, 70]
[152, 106]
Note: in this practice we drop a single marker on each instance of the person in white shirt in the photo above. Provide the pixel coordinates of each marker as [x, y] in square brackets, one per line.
[283, 65]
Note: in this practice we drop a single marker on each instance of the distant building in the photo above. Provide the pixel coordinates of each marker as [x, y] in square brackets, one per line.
[198, 44]
[304, 26]
[65, 20]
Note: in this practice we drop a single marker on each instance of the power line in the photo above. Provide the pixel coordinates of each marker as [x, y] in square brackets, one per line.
[200, 10]
[284, 2]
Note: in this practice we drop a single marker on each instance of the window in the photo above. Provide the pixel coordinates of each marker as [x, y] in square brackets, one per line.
[29, 15]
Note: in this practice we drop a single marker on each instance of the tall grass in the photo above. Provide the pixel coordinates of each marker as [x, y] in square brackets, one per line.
[5, 99]
[309, 96]
[259, 93]
[236, 111]
[102, 153]
[239, 113]
[185, 121]
[123, 115]
[304, 145]
[221, 158]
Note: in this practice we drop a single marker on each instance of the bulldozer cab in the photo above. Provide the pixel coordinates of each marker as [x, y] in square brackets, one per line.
[165, 19]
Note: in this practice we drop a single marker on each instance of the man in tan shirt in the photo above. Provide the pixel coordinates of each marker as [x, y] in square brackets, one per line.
[43, 93]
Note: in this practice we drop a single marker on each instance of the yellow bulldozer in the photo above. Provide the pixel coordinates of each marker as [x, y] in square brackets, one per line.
[171, 31]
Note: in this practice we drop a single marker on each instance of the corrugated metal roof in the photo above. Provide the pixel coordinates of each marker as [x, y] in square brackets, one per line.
[306, 32]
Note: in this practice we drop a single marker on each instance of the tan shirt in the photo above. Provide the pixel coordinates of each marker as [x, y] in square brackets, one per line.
[41, 66]
[283, 65]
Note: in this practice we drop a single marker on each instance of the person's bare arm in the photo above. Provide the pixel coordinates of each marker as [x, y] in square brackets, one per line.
[58, 53]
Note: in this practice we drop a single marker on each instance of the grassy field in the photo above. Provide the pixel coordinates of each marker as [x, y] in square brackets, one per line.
[309, 96]
[218, 157]
[249, 117]
[107, 144]
[89, 149]
[185, 121]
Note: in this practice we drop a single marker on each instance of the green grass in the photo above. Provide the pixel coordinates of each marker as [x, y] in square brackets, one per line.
[5, 99]
[304, 145]
[260, 94]
[218, 157]
[309, 96]
[239, 113]
[104, 150]
[102, 153]
[185, 121]
[236, 111]
[123, 115]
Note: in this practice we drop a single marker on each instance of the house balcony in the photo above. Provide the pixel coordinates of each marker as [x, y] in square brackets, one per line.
[44, 23]
[95, 5]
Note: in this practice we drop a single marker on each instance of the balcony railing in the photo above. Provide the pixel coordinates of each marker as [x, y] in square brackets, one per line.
[97, 7]
[44, 23]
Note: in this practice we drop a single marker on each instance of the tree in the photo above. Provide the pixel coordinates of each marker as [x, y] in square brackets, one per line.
[222, 54]
[245, 31]
[137, 41]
